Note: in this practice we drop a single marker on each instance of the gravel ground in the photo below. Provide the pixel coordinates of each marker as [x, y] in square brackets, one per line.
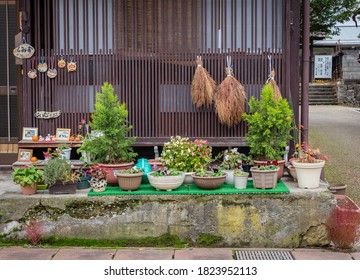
[336, 131]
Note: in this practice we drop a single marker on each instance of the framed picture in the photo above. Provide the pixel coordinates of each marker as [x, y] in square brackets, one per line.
[29, 132]
[63, 134]
[25, 155]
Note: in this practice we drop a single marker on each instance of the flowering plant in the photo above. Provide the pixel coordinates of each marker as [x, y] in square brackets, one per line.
[215, 171]
[97, 173]
[132, 170]
[308, 155]
[185, 155]
[239, 172]
[164, 172]
[231, 159]
[50, 154]
[81, 126]
[270, 165]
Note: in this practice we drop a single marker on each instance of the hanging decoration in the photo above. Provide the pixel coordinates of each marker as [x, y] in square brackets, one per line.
[271, 81]
[47, 115]
[52, 72]
[42, 66]
[230, 98]
[71, 66]
[61, 63]
[202, 86]
[24, 50]
[32, 73]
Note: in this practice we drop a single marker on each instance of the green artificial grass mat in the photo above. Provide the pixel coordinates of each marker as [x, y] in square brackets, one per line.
[147, 189]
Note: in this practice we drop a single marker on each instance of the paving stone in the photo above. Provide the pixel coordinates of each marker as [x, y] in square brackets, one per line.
[356, 256]
[19, 253]
[319, 254]
[204, 254]
[145, 254]
[84, 254]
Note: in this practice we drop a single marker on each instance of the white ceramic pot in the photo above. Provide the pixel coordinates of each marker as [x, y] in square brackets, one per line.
[230, 177]
[65, 154]
[240, 181]
[167, 183]
[308, 174]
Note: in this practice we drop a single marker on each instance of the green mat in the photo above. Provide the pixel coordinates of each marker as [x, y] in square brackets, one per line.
[147, 189]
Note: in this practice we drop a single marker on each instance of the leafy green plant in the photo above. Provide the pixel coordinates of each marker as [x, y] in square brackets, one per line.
[57, 170]
[187, 156]
[132, 170]
[231, 160]
[215, 171]
[27, 176]
[110, 143]
[270, 123]
[239, 172]
[246, 159]
[165, 172]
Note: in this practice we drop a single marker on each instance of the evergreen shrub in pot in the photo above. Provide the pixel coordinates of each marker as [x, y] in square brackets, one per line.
[110, 145]
[270, 124]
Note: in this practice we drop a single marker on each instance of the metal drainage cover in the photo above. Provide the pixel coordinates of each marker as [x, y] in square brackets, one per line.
[263, 255]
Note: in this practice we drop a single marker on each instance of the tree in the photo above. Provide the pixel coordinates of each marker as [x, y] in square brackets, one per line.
[325, 14]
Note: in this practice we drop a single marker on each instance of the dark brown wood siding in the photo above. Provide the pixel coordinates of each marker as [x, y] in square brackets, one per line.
[147, 50]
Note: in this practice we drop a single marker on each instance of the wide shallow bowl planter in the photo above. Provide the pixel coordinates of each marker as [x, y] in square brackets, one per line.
[308, 174]
[112, 170]
[339, 189]
[240, 181]
[188, 180]
[28, 190]
[83, 183]
[60, 188]
[209, 183]
[230, 177]
[264, 179]
[343, 224]
[291, 171]
[166, 183]
[129, 182]
[98, 186]
[281, 165]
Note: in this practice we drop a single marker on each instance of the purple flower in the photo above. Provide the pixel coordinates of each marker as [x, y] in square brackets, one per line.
[154, 168]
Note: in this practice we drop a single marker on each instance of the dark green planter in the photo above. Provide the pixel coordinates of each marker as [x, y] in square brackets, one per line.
[83, 183]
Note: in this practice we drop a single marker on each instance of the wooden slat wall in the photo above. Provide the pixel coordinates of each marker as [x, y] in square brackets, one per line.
[151, 60]
[8, 148]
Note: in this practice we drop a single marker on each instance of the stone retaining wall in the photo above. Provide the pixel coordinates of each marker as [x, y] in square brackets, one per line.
[349, 93]
[294, 220]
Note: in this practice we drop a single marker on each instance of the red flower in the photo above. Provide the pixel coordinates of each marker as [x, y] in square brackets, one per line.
[275, 163]
[268, 162]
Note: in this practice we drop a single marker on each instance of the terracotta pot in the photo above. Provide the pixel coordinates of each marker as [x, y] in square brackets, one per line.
[28, 190]
[281, 166]
[209, 183]
[264, 179]
[167, 183]
[112, 169]
[339, 189]
[129, 182]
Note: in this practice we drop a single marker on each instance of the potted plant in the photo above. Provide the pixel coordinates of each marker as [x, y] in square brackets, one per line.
[231, 161]
[64, 151]
[59, 177]
[83, 177]
[209, 180]
[98, 179]
[270, 123]
[130, 179]
[265, 176]
[240, 178]
[246, 163]
[166, 179]
[28, 178]
[186, 156]
[108, 142]
[308, 165]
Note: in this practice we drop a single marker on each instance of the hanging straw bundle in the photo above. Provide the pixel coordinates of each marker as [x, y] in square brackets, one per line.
[271, 81]
[230, 99]
[202, 86]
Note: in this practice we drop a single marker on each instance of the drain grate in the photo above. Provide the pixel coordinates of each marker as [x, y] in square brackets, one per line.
[263, 255]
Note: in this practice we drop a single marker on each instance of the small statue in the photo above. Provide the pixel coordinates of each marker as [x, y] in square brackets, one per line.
[41, 138]
[48, 138]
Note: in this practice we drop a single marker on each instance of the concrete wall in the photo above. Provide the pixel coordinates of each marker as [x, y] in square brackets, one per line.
[294, 220]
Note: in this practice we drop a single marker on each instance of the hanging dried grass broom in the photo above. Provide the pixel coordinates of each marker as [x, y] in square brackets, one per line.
[202, 86]
[271, 81]
[230, 98]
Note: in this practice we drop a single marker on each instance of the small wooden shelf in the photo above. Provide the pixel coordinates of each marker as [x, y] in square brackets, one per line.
[75, 164]
[47, 144]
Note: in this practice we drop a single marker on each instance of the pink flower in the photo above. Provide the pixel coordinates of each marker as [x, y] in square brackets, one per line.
[83, 121]
[80, 126]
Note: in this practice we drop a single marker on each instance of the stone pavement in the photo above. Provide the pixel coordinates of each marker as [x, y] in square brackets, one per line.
[21, 253]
